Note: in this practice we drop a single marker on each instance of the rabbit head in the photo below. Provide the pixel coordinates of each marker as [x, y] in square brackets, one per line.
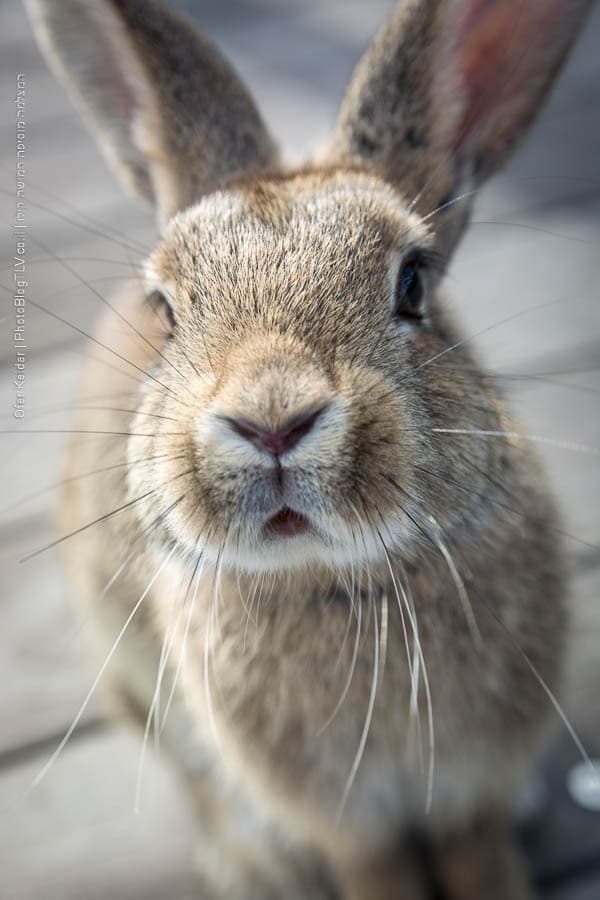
[303, 381]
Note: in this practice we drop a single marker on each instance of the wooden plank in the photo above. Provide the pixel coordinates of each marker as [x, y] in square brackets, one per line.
[77, 835]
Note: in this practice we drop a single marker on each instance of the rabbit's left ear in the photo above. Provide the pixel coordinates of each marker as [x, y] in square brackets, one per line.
[170, 114]
[449, 87]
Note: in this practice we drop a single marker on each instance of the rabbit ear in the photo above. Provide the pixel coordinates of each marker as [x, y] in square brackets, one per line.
[171, 115]
[449, 87]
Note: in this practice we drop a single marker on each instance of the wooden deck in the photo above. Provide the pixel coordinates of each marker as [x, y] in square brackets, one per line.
[536, 240]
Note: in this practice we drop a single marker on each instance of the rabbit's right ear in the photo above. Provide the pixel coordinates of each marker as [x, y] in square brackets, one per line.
[171, 115]
[446, 91]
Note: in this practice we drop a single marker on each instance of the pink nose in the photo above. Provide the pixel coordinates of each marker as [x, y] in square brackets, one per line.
[280, 441]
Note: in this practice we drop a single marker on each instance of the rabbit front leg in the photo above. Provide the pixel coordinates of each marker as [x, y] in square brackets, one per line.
[481, 860]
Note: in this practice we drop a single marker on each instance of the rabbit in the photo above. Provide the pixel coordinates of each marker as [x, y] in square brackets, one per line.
[362, 607]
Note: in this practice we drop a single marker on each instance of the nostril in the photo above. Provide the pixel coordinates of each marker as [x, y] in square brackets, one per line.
[284, 438]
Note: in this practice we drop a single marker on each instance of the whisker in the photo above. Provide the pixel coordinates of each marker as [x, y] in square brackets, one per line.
[516, 435]
[89, 431]
[82, 475]
[106, 303]
[351, 671]
[248, 607]
[98, 223]
[149, 718]
[508, 180]
[478, 493]
[207, 647]
[414, 709]
[46, 768]
[537, 228]
[545, 687]
[88, 228]
[39, 411]
[137, 540]
[154, 710]
[180, 344]
[543, 379]
[82, 528]
[97, 521]
[368, 718]
[38, 260]
[195, 579]
[383, 634]
[458, 581]
[119, 409]
[120, 356]
[415, 630]
[488, 328]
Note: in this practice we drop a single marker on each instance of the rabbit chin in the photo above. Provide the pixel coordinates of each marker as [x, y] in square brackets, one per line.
[331, 546]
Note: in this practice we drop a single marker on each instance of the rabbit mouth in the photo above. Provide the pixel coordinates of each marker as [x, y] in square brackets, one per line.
[287, 523]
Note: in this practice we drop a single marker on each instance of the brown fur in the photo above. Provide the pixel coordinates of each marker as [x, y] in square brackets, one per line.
[281, 284]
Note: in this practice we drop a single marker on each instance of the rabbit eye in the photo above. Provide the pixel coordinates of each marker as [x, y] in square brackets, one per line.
[410, 291]
[163, 308]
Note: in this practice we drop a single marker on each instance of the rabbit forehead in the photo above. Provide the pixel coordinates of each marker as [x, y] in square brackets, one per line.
[308, 222]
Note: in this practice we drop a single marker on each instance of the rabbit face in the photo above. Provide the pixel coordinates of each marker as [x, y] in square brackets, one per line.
[290, 411]
[305, 391]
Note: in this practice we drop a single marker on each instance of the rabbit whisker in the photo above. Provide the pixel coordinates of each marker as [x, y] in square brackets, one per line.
[195, 580]
[58, 215]
[154, 713]
[104, 346]
[122, 566]
[458, 581]
[529, 227]
[89, 431]
[86, 217]
[499, 486]
[98, 520]
[208, 650]
[248, 606]
[414, 721]
[143, 533]
[508, 180]
[517, 436]
[517, 315]
[401, 596]
[39, 411]
[506, 376]
[135, 412]
[82, 475]
[545, 687]
[38, 260]
[353, 661]
[368, 715]
[180, 345]
[46, 768]
[383, 633]
[83, 281]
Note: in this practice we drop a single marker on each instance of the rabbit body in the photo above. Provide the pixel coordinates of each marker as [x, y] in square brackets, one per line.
[269, 655]
[329, 533]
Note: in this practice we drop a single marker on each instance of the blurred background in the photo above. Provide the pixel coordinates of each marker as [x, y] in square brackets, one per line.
[527, 277]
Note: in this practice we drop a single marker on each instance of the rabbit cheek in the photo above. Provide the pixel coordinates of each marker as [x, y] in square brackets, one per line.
[380, 468]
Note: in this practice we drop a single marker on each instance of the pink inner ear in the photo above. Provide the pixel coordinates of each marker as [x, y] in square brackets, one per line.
[507, 50]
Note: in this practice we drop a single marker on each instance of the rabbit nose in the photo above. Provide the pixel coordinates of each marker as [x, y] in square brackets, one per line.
[284, 438]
